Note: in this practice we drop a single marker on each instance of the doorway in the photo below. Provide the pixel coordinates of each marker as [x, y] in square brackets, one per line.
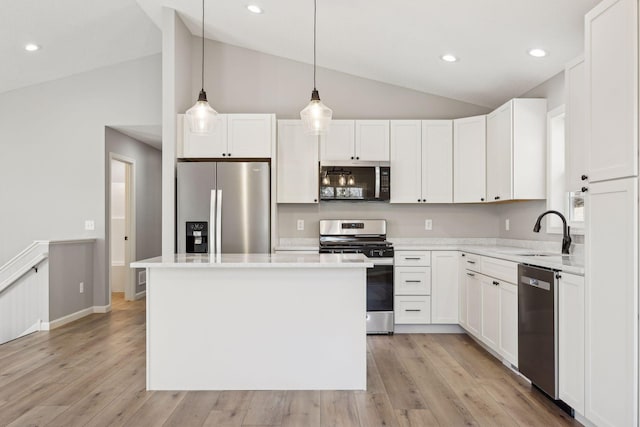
[122, 244]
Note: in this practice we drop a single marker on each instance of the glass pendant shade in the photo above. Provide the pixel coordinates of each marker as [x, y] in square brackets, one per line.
[316, 116]
[201, 117]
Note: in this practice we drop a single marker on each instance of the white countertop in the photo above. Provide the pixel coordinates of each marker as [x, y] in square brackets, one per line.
[256, 261]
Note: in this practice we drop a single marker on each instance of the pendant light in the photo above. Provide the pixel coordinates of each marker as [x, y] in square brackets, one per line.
[201, 117]
[316, 116]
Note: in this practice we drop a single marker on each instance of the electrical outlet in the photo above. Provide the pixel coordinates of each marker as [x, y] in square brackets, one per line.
[82, 287]
[89, 225]
[506, 224]
[300, 225]
[428, 224]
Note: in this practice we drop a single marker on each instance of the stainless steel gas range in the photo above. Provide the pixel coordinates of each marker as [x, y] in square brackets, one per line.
[368, 237]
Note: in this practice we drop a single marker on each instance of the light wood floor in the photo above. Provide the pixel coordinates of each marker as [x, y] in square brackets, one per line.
[91, 372]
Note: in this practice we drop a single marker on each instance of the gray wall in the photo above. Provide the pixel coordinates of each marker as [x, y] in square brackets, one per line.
[69, 264]
[148, 193]
[472, 220]
[52, 161]
[239, 80]
[552, 89]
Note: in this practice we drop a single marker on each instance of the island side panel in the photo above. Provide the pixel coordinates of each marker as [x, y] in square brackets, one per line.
[256, 329]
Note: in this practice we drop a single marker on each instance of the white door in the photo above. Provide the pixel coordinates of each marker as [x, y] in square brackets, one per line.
[444, 287]
[249, 135]
[474, 303]
[499, 153]
[297, 163]
[372, 140]
[469, 161]
[211, 145]
[571, 340]
[611, 58]
[611, 272]
[406, 161]
[339, 142]
[575, 123]
[509, 322]
[490, 289]
[437, 161]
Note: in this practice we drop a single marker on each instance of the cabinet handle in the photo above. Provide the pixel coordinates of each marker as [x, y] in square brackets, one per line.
[229, 154]
[418, 200]
[584, 177]
[464, 254]
[558, 276]
[411, 259]
[315, 200]
[424, 200]
[412, 309]
[482, 199]
[496, 198]
[495, 282]
[413, 281]
[357, 158]
[224, 154]
[471, 262]
[584, 189]
[471, 274]
[351, 157]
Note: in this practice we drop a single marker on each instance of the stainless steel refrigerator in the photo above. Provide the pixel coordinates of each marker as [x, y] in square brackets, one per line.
[223, 207]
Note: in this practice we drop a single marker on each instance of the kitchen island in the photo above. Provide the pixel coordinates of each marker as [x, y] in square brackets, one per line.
[256, 322]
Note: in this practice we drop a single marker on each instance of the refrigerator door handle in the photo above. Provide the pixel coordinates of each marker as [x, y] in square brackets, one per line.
[219, 223]
[213, 231]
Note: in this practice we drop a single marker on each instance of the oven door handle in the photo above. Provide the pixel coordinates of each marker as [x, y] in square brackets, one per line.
[381, 261]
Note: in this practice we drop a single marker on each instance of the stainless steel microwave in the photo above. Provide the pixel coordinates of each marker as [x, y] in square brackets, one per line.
[364, 181]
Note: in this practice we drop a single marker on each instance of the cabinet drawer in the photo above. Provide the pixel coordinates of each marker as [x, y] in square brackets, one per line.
[412, 280]
[413, 309]
[413, 258]
[472, 262]
[500, 269]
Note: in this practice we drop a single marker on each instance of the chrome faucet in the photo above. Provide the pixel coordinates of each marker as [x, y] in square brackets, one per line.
[566, 238]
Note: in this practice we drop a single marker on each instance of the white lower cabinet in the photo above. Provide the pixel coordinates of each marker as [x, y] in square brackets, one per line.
[444, 287]
[412, 309]
[474, 303]
[412, 281]
[508, 344]
[462, 290]
[571, 340]
[412, 287]
[490, 330]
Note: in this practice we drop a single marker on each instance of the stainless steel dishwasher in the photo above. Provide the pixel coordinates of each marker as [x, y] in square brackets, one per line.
[538, 327]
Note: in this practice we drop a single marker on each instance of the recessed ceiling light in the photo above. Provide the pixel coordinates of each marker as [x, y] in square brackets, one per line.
[31, 47]
[449, 58]
[538, 53]
[254, 8]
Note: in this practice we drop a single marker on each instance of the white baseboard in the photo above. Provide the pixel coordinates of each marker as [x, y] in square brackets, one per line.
[47, 326]
[140, 295]
[428, 329]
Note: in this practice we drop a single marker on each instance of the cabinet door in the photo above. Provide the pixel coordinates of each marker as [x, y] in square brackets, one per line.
[249, 135]
[339, 142]
[474, 303]
[575, 124]
[509, 322]
[437, 161]
[444, 287]
[212, 145]
[469, 161]
[490, 311]
[412, 309]
[571, 340]
[499, 153]
[611, 58]
[406, 163]
[297, 163]
[372, 140]
[611, 332]
[412, 280]
[462, 290]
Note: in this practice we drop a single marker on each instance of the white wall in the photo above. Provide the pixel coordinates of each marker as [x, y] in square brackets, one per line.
[52, 164]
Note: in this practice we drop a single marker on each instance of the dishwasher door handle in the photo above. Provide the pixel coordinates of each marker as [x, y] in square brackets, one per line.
[540, 284]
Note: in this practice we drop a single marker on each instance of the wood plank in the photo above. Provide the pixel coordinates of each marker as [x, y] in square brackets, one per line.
[418, 418]
[374, 409]
[120, 410]
[194, 409]
[337, 408]
[399, 385]
[156, 409]
[38, 416]
[302, 408]
[225, 418]
[265, 408]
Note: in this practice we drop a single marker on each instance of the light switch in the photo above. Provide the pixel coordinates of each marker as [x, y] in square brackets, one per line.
[428, 224]
[300, 224]
[89, 225]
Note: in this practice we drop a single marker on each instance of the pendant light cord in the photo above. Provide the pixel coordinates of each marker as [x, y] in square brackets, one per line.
[202, 81]
[315, 5]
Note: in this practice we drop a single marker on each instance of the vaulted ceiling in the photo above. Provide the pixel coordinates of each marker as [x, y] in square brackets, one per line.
[398, 42]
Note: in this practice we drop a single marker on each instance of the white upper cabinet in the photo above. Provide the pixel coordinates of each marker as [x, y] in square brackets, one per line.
[469, 160]
[249, 135]
[437, 161]
[339, 142]
[372, 140]
[297, 163]
[516, 148]
[575, 124]
[406, 161]
[611, 64]
[235, 135]
[364, 140]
